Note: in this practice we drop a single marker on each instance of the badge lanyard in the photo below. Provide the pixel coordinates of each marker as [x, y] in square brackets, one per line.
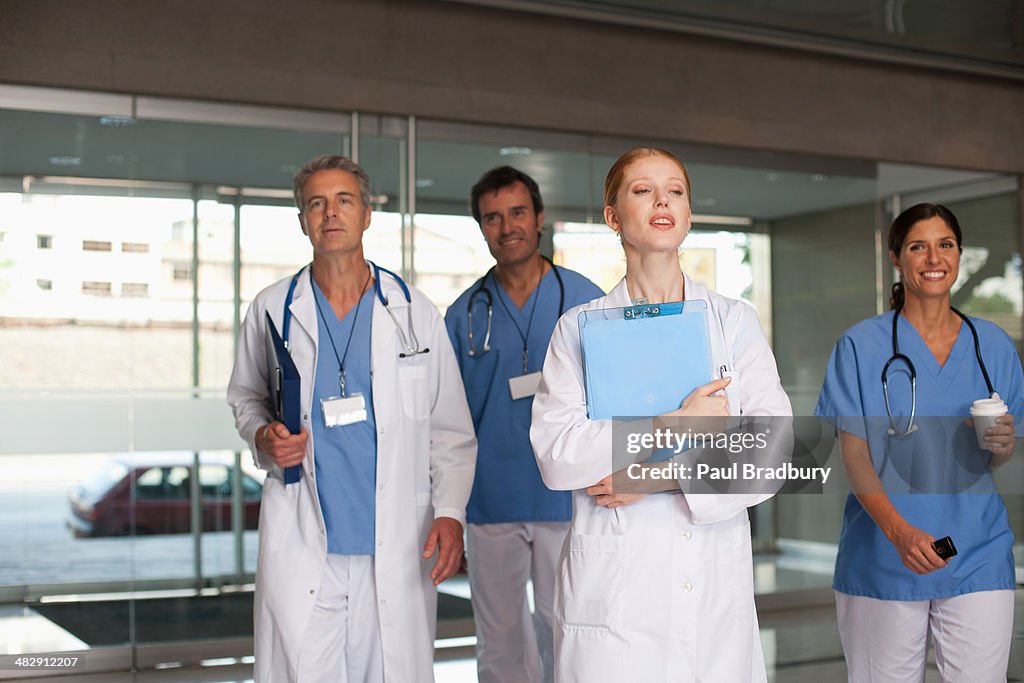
[342, 410]
[525, 384]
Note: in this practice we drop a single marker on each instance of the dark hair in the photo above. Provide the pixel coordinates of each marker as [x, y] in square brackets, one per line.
[901, 228]
[501, 177]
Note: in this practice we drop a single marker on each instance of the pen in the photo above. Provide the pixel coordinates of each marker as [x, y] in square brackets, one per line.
[721, 372]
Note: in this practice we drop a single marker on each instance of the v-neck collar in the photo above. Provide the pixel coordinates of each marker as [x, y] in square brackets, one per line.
[925, 360]
[332, 317]
[510, 304]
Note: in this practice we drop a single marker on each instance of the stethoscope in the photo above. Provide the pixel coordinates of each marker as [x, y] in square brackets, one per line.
[896, 355]
[410, 342]
[482, 290]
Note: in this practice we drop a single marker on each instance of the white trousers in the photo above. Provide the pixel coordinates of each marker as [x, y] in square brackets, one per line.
[342, 639]
[887, 640]
[510, 646]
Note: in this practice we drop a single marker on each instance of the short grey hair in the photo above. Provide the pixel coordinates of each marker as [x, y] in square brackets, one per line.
[330, 162]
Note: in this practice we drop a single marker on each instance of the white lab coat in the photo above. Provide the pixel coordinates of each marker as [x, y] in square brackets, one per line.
[426, 455]
[661, 590]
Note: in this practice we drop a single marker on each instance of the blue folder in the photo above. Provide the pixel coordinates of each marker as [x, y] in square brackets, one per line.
[285, 389]
[643, 360]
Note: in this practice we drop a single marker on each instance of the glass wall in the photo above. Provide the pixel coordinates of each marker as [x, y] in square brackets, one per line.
[134, 232]
[130, 246]
[830, 269]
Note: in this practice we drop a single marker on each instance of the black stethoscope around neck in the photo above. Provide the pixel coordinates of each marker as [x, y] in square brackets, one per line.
[482, 290]
[897, 356]
[410, 343]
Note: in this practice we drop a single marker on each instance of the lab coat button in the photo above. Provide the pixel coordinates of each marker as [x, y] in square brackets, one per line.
[687, 586]
[312, 591]
[306, 418]
[687, 535]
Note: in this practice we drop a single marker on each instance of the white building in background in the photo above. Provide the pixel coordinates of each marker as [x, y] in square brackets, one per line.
[127, 261]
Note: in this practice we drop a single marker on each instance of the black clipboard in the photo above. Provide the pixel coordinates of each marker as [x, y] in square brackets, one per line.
[285, 389]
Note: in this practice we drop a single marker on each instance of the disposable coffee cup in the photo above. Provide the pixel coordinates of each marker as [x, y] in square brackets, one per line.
[984, 413]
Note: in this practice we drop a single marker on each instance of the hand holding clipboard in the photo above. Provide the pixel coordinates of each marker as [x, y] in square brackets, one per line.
[283, 439]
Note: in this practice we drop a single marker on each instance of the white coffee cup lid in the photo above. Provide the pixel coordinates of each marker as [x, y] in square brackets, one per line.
[990, 406]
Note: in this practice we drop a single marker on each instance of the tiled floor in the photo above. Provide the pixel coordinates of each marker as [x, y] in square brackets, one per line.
[797, 618]
[800, 648]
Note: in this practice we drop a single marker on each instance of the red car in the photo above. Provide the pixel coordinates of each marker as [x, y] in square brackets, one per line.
[149, 494]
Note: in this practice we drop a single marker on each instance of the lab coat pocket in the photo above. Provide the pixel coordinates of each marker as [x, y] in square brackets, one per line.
[278, 507]
[412, 380]
[592, 577]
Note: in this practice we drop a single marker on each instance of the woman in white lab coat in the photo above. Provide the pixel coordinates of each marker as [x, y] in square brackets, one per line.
[426, 458]
[657, 587]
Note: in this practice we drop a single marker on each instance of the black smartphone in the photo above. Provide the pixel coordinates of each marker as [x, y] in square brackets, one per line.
[944, 548]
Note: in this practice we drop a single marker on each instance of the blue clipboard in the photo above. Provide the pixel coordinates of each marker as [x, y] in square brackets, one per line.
[285, 389]
[643, 360]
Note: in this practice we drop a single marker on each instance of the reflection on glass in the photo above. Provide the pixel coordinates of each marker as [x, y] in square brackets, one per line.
[722, 261]
[273, 247]
[989, 284]
[450, 255]
[216, 291]
[110, 318]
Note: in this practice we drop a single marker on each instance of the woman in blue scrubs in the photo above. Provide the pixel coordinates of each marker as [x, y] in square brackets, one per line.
[914, 486]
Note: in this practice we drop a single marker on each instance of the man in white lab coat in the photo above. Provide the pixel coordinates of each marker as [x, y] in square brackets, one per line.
[345, 583]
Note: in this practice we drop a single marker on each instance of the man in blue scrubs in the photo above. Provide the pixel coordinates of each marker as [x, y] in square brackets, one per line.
[500, 328]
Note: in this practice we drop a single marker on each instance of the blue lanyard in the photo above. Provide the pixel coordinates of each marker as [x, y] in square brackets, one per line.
[327, 326]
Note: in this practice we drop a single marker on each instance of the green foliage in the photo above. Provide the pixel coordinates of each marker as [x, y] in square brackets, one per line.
[987, 305]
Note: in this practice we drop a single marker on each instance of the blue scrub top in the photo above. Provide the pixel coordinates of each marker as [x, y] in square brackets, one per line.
[345, 457]
[852, 399]
[508, 485]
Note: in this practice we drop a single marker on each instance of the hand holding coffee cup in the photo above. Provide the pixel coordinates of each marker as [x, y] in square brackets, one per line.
[984, 414]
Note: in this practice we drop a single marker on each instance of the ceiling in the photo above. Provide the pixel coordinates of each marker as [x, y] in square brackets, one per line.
[952, 32]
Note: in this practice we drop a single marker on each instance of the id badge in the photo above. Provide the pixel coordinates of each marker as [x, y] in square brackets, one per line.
[343, 410]
[524, 385]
